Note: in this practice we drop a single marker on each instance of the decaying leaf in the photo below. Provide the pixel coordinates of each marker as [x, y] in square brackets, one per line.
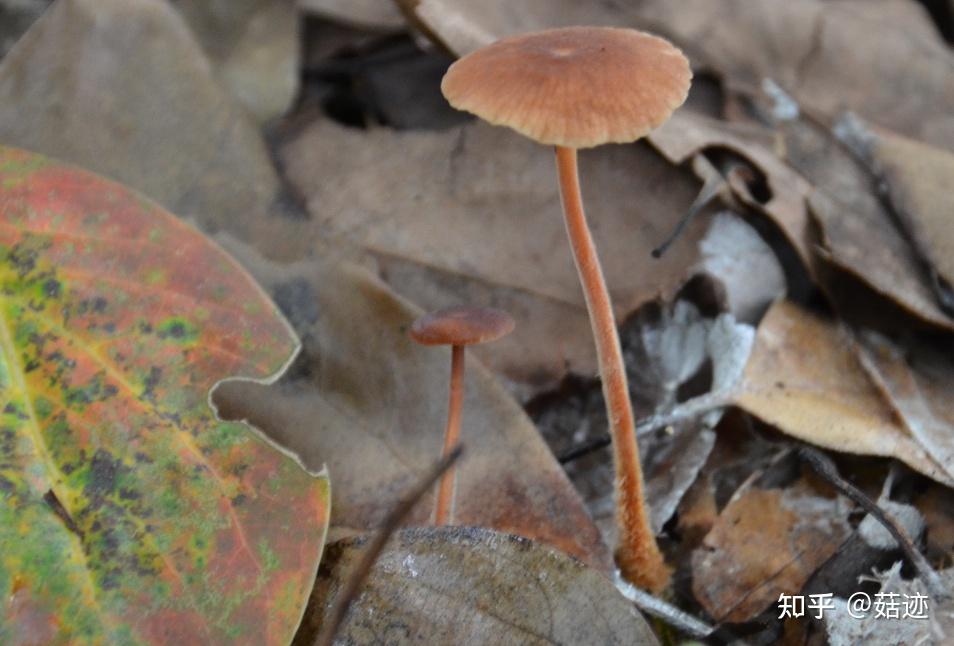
[665, 348]
[372, 404]
[766, 542]
[735, 254]
[917, 382]
[128, 511]
[919, 181]
[687, 135]
[253, 45]
[857, 231]
[805, 378]
[122, 88]
[830, 56]
[846, 625]
[472, 214]
[460, 585]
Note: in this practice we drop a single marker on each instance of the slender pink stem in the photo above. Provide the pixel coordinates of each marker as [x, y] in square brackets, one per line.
[637, 554]
[445, 492]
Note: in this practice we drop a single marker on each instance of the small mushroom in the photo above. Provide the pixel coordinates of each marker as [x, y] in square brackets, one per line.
[457, 327]
[580, 87]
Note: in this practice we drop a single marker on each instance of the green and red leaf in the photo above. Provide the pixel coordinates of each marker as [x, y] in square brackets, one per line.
[129, 513]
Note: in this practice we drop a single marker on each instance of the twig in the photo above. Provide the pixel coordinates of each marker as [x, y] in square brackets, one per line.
[710, 189]
[349, 590]
[666, 611]
[689, 409]
[825, 467]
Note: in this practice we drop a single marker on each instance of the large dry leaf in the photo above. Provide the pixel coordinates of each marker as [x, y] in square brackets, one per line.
[917, 381]
[467, 586]
[253, 45]
[473, 214]
[122, 88]
[919, 180]
[765, 543]
[828, 55]
[805, 378]
[129, 512]
[372, 405]
[857, 230]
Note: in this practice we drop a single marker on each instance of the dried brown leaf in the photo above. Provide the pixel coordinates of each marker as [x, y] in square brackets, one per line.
[457, 585]
[253, 45]
[472, 214]
[805, 378]
[765, 543]
[919, 181]
[858, 233]
[122, 88]
[830, 56]
[372, 405]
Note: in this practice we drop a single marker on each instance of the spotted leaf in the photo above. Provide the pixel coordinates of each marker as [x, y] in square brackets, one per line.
[129, 513]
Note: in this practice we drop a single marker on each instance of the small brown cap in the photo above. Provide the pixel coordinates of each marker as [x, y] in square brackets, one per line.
[576, 87]
[462, 326]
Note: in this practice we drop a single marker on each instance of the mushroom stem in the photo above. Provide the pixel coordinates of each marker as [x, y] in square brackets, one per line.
[445, 492]
[637, 554]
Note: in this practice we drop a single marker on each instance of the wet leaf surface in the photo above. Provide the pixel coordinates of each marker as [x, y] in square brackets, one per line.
[372, 404]
[462, 585]
[128, 511]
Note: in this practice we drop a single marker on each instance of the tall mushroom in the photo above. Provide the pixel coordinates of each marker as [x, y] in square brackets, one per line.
[580, 87]
[457, 327]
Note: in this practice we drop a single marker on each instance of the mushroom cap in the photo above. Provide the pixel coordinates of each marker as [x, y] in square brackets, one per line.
[462, 326]
[576, 87]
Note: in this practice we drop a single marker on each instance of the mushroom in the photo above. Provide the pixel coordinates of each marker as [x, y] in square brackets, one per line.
[579, 87]
[457, 327]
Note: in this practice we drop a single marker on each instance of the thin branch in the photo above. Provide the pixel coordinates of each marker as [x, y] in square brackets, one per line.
[349, 591]
[825, 467]
[667, 612]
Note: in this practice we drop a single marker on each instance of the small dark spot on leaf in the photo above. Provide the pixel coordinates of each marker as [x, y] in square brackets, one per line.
[52, 288]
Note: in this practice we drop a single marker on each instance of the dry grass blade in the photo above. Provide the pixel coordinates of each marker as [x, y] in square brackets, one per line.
[373, 550]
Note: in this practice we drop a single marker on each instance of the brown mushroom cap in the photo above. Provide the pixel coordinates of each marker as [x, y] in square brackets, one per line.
[576, 87]
[461, 326]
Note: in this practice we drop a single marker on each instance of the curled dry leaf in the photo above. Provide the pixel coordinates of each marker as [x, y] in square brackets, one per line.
[735, 254]
[765, 543]
[830, 56]
[129, 512]
[472, 214]
[122, 88]
[461, 585]
[917, 382]
[919, 180]
[371, 403]
[857, 230]
[831, 403]
[687, 135]
[253, 45]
